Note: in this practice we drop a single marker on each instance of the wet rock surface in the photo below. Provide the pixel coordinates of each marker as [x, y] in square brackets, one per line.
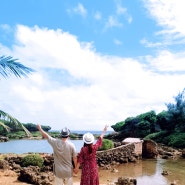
[126, 181]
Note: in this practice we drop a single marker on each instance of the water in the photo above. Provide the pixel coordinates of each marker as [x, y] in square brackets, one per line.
[147, 172]
[35, 146]
[38, 146]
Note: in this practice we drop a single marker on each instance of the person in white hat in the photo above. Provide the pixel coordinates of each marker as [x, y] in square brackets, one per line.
[87, 159]
[63, 153]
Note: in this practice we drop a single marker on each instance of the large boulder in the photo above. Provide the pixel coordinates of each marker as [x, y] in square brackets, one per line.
[34, 175]
[149, 149]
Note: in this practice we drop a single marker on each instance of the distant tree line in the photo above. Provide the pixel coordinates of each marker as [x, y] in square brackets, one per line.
[15, 128]
[29, 126]
[167, 127]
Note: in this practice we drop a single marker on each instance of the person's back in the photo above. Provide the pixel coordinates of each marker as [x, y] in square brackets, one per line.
[63, 152]
[87, 159]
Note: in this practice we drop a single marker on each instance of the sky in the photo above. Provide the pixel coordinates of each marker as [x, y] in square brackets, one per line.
[96, 62]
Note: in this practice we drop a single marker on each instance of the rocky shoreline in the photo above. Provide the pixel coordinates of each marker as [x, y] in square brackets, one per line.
[106, 161]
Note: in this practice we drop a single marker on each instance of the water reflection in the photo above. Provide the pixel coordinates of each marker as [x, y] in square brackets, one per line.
[152, 173]
[148, 172]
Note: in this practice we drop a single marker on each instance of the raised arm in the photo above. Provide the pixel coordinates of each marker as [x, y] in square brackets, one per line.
[103, 132]
[44, 134]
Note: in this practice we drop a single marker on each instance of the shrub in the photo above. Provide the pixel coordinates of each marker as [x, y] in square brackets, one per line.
[54, 134]
[158, 136]
[107, 144]
[16, 135]
[176, 140]
[32, 160]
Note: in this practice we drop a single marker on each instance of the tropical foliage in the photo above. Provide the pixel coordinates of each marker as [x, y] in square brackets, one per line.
[167, 127]
[18, 132]
[106, 144]
[5, 117]
[138, 126]
[9, 66]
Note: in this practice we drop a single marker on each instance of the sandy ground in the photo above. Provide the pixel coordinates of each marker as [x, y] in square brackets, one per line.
[8, 177]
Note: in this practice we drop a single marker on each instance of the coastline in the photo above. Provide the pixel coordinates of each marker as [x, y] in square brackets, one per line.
[108, 175]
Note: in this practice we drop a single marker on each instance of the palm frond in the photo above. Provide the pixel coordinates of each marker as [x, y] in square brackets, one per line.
[5, 126]
[26, 131]
[6, 116]
[9, 66]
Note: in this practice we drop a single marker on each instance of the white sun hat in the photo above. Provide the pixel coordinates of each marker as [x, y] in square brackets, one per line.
[88, 138]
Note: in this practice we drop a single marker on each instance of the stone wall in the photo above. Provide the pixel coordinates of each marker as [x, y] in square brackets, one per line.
[122, 154]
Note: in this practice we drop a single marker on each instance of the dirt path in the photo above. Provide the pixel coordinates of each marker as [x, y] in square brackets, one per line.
[8, 177]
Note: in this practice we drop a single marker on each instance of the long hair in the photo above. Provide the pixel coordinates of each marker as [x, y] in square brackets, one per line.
[89, 147]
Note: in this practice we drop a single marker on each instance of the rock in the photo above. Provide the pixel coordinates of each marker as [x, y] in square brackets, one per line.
[4, 139]
[166, 152]
[174, 182]
[114, 170]
[165, 157]
[4, 165]
[132, 159]
[16, 167]
[126, 181]
[122, 154]
[149, 149]
[33, 175]
[164, 172]
[183, 153]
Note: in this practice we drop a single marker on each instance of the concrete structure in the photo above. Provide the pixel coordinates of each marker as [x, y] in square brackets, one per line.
[138, 143]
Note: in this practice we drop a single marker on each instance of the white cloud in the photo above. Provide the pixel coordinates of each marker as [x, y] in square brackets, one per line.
[79, 9]
[169, 15]
[120, 10]
[168, 62]
[113, 22]
[112, 88]
[98, 16]
[149, 44]
[117, 42]
[5, 27]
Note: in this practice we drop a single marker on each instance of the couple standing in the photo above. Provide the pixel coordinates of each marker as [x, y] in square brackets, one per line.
[64, 152]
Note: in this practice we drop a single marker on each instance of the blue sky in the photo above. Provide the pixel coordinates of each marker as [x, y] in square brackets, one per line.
[96, 62]
[114, 28]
